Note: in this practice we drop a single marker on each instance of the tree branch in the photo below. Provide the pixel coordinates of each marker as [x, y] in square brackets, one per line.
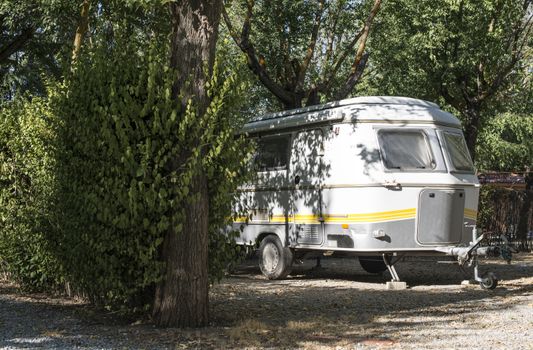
[353, 78]
[517, 50]
[16, 44]
[448, 97]
[364, 37]
[311, 47]
[83, 25]
[462, 82]
[481, 82]
[361, 58]
[257, 67]
[326, 82]
[331, 37]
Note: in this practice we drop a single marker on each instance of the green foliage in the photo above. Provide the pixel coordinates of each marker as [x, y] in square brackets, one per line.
[42, 32]
[114, 139]
[226, 165]
[506, 143]
[284, 32]
[26, 184]
[423, 47]
[122, 176]
[95, 175]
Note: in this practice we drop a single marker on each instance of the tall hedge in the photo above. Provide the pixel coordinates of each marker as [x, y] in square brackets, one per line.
[101, 191]
[117, 195]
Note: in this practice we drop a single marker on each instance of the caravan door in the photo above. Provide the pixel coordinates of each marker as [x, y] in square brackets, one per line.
[307, 224]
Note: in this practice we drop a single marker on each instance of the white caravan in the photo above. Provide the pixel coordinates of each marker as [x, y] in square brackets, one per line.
[374, 177]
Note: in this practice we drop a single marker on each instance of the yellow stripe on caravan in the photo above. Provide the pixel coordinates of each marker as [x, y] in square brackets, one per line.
[470, 214]
[279, 218]
[353, 218]
[374, 217]
[343, 218]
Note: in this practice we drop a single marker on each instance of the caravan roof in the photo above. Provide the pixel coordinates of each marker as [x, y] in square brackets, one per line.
[376, 109]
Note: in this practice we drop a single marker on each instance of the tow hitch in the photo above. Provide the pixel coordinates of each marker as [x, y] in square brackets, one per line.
[469, 256]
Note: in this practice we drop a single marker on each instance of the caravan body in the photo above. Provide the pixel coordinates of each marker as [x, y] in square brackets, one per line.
[363, 176]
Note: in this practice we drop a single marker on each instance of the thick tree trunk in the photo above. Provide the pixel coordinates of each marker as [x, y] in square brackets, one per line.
[181, 298]
[471, 128]
[295, 102]
[194, 35]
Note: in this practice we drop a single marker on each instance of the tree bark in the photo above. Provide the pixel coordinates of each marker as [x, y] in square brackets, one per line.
[83, 25]
[181, 298]
[471, 127]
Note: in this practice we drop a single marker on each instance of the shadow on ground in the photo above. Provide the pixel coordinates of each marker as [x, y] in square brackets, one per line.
[339, 305]
[416, 271]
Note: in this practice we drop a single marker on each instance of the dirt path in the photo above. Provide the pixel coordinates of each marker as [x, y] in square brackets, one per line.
[339, 306]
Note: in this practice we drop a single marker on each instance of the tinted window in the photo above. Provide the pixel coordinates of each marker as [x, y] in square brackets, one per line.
[406, 150]
[458, 152]
[272, 153]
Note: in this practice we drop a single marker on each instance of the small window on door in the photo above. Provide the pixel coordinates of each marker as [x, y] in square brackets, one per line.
[272, 153]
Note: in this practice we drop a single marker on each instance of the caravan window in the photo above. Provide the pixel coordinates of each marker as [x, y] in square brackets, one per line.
[406, 149]
[272, 153]
[458, 152]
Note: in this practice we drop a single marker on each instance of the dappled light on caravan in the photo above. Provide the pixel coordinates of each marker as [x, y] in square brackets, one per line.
[376, 177]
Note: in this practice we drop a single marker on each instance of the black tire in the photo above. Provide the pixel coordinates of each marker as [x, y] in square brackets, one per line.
[489, 281]
[372, 264]
[275, 261]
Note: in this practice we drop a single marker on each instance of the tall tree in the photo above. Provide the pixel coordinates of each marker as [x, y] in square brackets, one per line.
[182, 296]
[463, 52]
[301, 51]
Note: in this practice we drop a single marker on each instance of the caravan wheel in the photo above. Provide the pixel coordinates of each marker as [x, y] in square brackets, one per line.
[372, 264]
[489, 281]
[275, 261]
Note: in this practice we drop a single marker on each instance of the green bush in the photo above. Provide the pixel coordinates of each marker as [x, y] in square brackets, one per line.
[117, 195]
[87, 191]
[26, 186]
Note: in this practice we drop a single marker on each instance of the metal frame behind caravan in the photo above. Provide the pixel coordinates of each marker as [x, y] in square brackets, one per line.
[368, 176]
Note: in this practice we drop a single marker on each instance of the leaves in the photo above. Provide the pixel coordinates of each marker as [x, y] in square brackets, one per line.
[466, 55]
[101, 186]
[26, 182]
[506, 143]
[303, 50]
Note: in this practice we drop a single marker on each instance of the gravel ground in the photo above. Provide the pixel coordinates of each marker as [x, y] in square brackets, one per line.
[339, 306]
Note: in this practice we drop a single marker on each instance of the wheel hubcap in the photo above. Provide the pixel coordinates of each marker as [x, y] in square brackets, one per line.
[270, 257]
